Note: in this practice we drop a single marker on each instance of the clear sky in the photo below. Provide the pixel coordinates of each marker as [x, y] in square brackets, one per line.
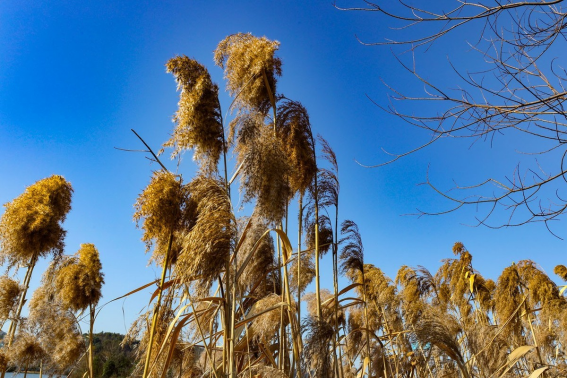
[75, 77]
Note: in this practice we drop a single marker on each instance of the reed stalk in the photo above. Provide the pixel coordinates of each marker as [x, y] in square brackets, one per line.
[157, 306]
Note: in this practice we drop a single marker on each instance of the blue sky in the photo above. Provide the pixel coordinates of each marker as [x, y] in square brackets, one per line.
[75, 77]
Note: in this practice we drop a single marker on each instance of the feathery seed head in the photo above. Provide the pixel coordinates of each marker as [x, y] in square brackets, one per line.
[263, 260]
[265, 172]
[294, 129]
[31, 225]
[198, 119]
[265, 326]
[79, 282]
[307, 273]
[26, 350]
[9, 293]
[163, 207]
[507, 298]
[245, 60]
[207, 245]
[325, 233]
[352, 252]
[317, 354]
[561, 271]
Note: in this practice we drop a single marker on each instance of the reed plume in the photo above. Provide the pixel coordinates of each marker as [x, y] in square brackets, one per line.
[31, 224]
[352, 252]
[294, 130]
[264, 328]
[26, 350]
[561, 271]
[508, 298]
[328, 179]
[78, 284]
[453, 275]
[262, 262]
[325, 232]
[542, 290]
[79, 281]
[264, 371]
[57, 327]
[307, 273]
[3, 360]
[441, 331]
[141, 330]
[265, 171]
[317, 348]
[198, 120]
[250, 68]
[10, 291]
[163, 208]
[207, 245]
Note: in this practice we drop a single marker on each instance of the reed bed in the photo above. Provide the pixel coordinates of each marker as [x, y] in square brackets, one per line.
[228, 303]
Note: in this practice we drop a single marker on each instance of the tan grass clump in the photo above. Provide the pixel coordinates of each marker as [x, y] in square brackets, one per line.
[10, 291]
[198, 119]
[79, 282]
[245, 60]
[31, 225]
[294, 129]
[208, 244]
[561, 271]
[163, 207]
